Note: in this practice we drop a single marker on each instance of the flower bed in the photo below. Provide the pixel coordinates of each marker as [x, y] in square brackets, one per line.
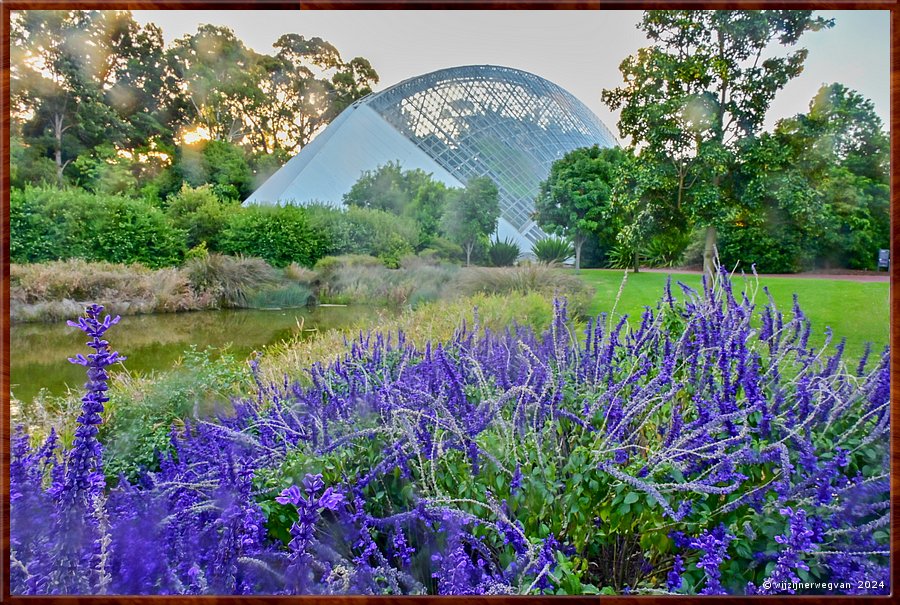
[688, 454]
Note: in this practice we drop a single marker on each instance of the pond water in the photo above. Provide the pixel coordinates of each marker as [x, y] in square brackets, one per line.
[39, 352]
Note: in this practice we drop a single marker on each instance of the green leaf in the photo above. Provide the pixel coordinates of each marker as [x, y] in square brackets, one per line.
[631, 498]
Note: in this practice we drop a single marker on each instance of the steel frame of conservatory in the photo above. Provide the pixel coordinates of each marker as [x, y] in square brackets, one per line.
[457, 124]
[485, 120]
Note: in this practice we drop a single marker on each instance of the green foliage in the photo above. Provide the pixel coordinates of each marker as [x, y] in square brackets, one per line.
[552, 250]
[665, 249]
[103, 171]
[472, 214]
[409, 193]
[201, 214]
[51, 224]
[83, 81]
[503, 253]
[814, 192]
[690, 98]
[384, 188]
[141, 412]
[278, 234]
[575, 200]
[357, 230]
[444, 249]
[220, 164]
[620, 256]
[27, 166]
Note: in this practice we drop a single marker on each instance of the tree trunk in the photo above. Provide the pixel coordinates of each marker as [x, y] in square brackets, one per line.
[469, 254]
[578, 241]
[59, 167]
[57, 155]
[637, 262]
[709, 251]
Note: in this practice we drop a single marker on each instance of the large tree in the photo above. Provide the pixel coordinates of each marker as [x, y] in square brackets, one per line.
[80, 79]
[814, 191]
[412, 193]
[705, 83]
[472, 214]
[211, 75]
[299, 90]
[574, 200]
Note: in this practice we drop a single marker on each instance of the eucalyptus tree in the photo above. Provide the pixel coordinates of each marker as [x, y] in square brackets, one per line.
[80, 79]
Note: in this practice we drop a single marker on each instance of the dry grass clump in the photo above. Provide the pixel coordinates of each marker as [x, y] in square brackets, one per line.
[59, 290]
[229, 280]
[77, 279]
[300, 274]
[361, 279]
[526, 278]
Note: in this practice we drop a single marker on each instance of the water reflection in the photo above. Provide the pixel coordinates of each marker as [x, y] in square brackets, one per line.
[39, 351]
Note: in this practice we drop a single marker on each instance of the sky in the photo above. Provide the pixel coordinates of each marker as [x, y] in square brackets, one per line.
[578, 50]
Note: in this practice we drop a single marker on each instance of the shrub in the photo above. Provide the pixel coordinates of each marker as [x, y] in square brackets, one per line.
[200, 214]
[721, 457]
[53, 224]
[219, 164]
[620, 256]
[142, 410]
[665, 250]
[765, 246]
[279, 234]
[503, 253]
[552, 250]
[442, 248]
[365, 231]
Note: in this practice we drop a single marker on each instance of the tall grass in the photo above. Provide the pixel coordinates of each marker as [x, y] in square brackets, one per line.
[530, 277]
[365, 280]
[230, 279]
[430, 321]
[58, 290]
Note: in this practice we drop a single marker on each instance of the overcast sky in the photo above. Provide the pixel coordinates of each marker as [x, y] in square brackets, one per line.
[579, 50]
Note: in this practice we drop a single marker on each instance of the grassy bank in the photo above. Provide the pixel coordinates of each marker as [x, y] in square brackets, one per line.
[59, 290]
[855, 310]
[142, 409]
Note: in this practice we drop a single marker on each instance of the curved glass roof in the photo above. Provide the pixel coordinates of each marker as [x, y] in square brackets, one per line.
[485, 120]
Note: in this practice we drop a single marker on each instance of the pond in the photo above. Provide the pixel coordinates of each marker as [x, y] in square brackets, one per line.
[39, 352]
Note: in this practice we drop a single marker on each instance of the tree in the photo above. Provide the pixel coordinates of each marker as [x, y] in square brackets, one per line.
[218, 163]
[64, 66]
[211, 78]
[574, 200]
[816, 190]
[472, 214]
[381, 189]
[699, 89]
[298, 91]
[410, 193]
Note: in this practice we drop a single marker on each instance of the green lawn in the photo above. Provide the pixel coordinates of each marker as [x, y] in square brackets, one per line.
[855, 310]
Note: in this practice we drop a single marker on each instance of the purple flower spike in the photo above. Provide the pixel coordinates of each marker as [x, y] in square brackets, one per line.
[331, 499]
[290, 495]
